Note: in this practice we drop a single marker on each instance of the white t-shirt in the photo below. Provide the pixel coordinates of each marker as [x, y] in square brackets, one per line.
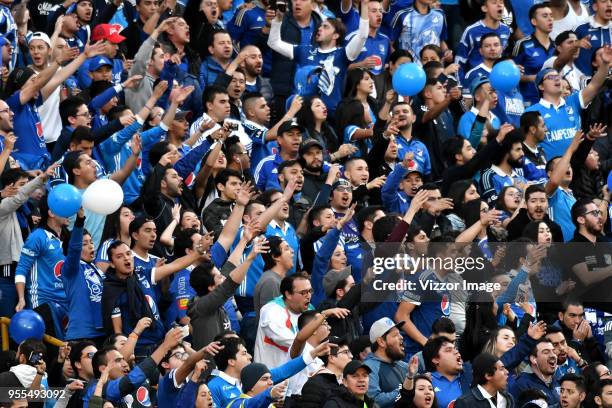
[574, 76]
[298, 380]
[570, 21]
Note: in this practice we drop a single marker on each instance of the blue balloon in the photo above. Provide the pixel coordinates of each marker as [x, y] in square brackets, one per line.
[409, 79]
[505, 76]
[65, 200]
[26, 324]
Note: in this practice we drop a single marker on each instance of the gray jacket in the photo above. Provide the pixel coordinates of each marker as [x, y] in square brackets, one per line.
[137, 97]
[10, 232]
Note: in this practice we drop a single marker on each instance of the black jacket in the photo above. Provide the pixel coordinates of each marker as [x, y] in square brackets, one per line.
[344, 399]
[517, 225]
[215, 215]
[317, 389]
[474, 399]
[312, 184]
[283, 69]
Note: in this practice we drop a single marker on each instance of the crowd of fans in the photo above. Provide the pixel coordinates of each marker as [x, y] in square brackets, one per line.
[266, 162]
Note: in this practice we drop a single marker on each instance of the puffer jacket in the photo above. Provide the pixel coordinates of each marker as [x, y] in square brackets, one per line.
[344, 399]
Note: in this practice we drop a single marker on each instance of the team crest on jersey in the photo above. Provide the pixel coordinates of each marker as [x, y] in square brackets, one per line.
[57, 269]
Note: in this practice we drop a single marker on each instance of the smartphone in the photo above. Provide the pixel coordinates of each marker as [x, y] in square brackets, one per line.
[34, 358]
[231, 125]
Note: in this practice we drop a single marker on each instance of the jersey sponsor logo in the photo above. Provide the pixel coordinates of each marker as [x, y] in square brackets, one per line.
[142, 395]
[39, 130]
[57, 269]
[182, 304]
[377, 59]
[445, 306]
[451, 404]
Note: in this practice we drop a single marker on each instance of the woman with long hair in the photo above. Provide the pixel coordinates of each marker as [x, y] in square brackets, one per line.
[480, 321]
[508, 203]
[356, 114]
[116, 228]
[313, 117]
[417, 390]
[461, 191]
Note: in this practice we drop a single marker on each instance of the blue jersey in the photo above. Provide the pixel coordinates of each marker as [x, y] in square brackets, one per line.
[468, 50]
[350, 240]
[388, 17]
[560, 211]
[336, 62]
[418, 149]
[266, 173]
[414, 30]
[394, 199]
[350, 19]
[510, 107]
[223, 389]
[467, 121]
[83, 72]
[532, 55]
[534, 171]
[562, 123]
[431, 305]
[520, 10]
[155, 333]
[180, 293]
[261, 147]
[144, 269]
[476, 72]
[377, 46]
[40, 268]
[493, 180]
[83, 283]
[289, 235]
[168, 390]
[247, 286]
[30, 148]
[599, 36]
[8, 29]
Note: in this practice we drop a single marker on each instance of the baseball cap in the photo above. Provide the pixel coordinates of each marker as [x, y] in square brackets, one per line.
[98, 62]
[332, 278]
[108, 32]
[478, 82]
[288, 125]
[540, 76]
[342, 183]
[353, 366]
[181, 114]
[559, 39]
[308, 143]
[382, 327]
[72, 8]
[40, 36]
[3, 41]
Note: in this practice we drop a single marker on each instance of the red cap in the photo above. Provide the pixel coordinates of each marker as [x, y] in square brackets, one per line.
[108, 32]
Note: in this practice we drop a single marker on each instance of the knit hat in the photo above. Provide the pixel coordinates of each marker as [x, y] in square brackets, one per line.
[251, 374]
[332, 278]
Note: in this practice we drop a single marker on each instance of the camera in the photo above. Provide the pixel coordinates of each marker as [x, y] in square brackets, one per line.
[279, 5]
[230, 125]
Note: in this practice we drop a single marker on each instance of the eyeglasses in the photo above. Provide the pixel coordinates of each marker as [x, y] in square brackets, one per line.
[604, 374]
[7, 110]
[344, 189]
[85, 114]
[242, 153]
[347, 351]
[305, 292]
[88, 355]
[596, 213]
[180, 355]
[553, 77]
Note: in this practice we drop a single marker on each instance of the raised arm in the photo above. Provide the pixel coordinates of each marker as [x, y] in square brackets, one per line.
[355, 46]
[598, 80]
[274, 39]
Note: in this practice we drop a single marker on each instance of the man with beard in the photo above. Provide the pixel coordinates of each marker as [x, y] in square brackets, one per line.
[537, 210]
[253, 64]
[591, 264]
[506, 169]
[257, 113]
[543, 363]
[568, 360]
[291, 170]
[311, 157]
[365, 192]
[491, 380]
[534, 162]
[401, 127]
[385, 361]
[603, 399]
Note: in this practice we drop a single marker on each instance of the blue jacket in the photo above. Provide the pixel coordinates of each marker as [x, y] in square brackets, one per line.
[320, 265]
[395, 200]
[209, 70]
[223, 392]
[115, 390]
[266, 172]
[261, 400]
[384, 379]
[83, 283]
[528, 381]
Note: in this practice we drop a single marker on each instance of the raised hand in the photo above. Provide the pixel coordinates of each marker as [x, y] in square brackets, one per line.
[597, 130]
[337, 312]
[95, 49]
[260, 246]
[378, 182]
[136, 144]
[244, 194]
[142, 325]
[213, 348]
[537, 331]
[173, 337]
[251, 230]
[159, 89]
[176, 212]
[132, 81]
[348, 216]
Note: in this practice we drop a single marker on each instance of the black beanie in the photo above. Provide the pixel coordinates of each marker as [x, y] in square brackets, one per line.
[251, 374]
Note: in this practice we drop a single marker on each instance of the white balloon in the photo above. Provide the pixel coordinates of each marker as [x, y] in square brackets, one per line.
[103, 197]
